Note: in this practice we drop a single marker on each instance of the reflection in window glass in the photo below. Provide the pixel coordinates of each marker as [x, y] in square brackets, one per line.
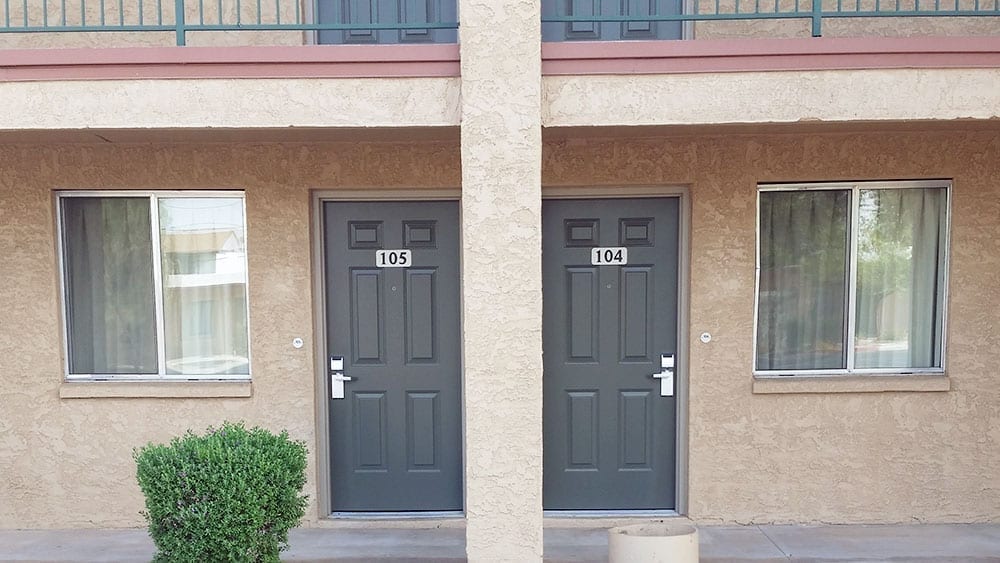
[203, 246]
[901, 236]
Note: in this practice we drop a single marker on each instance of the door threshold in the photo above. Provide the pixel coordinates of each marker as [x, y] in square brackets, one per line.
[422, 515]
[665, 513]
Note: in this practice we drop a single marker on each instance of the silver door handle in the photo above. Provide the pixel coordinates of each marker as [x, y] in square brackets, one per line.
[337, 377]
[666, 375]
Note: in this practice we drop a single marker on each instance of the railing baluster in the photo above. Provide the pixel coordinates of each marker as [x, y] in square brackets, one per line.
[179, 22]
[25, 14]
[239, 13]
[219, 13]
[277, 11]
[83, 12]
[298, 17]
[45, 13]
[121, 13]
[717, 6]
[141, 10]
[102, 13]
[6, 13]
[159, 12]
[201, 12]
[817, 18]
[258, 12]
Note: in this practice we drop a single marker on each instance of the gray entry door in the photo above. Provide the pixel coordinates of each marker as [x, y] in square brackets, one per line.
[609, 434]
[386, 12]
[611, 31]
[395, 437]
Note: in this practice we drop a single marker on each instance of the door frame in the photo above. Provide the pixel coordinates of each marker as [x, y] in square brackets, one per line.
[324, 485]
[683, 194]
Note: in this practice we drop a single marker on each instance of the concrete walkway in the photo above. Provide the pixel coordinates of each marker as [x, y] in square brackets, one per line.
[750, 544]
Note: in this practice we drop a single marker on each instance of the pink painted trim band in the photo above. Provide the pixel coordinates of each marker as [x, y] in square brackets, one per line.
[748, 55]
[308, 61]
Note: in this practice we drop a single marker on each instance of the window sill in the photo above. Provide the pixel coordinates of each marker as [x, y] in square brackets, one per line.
[154, 389]
[851, 384]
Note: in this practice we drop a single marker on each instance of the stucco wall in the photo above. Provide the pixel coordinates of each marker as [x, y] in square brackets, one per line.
[127, 12]
[502, 278]
[847, 457]
[872, 457]
[66, 463]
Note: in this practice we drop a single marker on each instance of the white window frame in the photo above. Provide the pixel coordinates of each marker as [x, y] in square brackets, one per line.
[851, 304]
[153, 197]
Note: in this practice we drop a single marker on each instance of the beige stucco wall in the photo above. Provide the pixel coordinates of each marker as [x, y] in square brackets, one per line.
[847, 457]
[230, 103]
[502, 278]
[834, 96]
[832, 27]
[830, 457]
[127, 12]
[66, 463]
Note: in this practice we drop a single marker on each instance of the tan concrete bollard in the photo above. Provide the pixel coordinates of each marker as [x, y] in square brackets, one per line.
[653, 543]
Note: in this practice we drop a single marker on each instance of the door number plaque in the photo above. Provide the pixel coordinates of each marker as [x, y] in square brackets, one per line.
[393, 258]
[609, 256]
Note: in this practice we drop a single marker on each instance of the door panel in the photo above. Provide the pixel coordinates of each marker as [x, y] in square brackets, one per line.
[387, 12]
[395, 439]
[611, 31]
[609, 435]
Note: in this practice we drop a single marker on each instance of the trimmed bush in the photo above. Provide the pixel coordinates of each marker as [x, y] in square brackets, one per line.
[230, 495]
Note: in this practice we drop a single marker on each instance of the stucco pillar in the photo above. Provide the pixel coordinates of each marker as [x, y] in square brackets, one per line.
[502, 278]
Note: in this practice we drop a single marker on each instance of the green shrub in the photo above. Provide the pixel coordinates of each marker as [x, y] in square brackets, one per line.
[230, 495]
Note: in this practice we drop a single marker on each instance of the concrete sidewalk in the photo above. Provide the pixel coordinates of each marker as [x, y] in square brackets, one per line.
[749, 544]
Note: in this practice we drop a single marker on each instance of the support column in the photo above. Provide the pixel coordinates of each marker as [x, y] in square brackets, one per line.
[502, 278]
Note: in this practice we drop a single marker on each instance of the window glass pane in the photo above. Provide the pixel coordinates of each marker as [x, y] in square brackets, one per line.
[203, 245]
[803, 280]
[901, 235]
[108, 265]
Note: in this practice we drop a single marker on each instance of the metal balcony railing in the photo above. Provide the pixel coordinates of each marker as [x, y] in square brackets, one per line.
[335, 21]
[436, 21]
[630, 19]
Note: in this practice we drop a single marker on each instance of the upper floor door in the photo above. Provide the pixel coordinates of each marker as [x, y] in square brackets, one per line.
[387, 13]
[611, 31]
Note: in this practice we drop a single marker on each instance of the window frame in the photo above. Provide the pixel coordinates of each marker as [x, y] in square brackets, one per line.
[850, 335]
[152, 197]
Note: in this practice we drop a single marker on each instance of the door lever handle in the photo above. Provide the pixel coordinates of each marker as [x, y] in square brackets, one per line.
[666, 375]
[337, 377]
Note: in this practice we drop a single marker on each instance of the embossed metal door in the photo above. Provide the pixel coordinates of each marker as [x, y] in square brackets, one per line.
[395, 437]
[610, 434]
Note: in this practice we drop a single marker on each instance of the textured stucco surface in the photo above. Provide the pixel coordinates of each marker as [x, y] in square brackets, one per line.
[66, 463]
[502, 282]
[816, 457]
[771, 97]
[229, 103]
[844, 457]
[129, 12]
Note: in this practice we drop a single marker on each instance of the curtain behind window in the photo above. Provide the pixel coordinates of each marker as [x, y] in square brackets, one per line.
[901, 239]
[109, 285]
[803, 279]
